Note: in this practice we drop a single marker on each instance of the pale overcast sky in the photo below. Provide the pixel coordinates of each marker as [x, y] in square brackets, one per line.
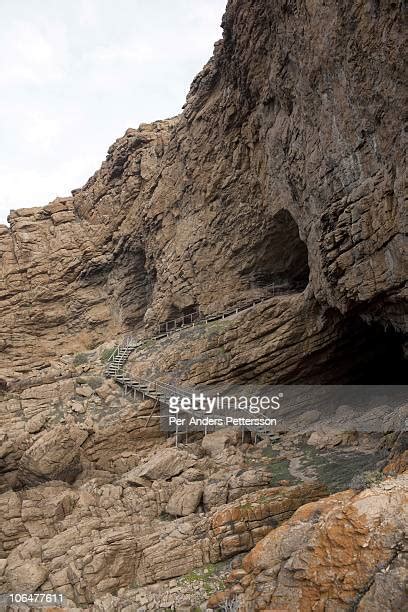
[75, 74]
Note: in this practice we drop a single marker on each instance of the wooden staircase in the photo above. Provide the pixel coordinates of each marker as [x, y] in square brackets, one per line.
[120, 356]
[159, 391]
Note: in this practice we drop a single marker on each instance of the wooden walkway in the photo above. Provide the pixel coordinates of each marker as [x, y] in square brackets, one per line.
[159, 391]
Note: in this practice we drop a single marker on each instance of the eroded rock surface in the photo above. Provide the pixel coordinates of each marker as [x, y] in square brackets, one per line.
[93, 539]
[54, 456]
[286, 167]
[334, 554]
[271, 173]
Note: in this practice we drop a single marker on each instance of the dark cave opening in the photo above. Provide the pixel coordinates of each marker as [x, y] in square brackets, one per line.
[178, 312]
[178, 316]
[188, 310]
[362, 354]
[382, 358]
[281, 256]
[131, 285]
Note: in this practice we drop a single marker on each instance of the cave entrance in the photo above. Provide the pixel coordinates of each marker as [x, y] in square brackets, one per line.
[362, 354]
[178, 316]
[131, 285]
[281, 256]
[383, 358]
[176, 312]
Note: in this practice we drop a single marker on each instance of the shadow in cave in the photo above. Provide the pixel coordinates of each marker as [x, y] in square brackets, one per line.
[281, 255]
[130, 286]
[382, 359]
[178, 312]
[362, 354]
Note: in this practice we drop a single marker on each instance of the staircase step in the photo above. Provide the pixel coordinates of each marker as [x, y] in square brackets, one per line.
[156, 395]
[115, 366]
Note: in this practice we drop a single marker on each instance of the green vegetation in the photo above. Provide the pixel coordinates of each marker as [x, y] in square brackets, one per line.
[107, 354]
[366, 480]
[246, 506]
[80, 359]
[278, 467]
[207, 576]
[337, 469]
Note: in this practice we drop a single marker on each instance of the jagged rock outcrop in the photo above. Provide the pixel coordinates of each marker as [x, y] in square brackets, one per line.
[286, 166]
[268, 148]
[86, 542]
[54, 456]
[170, 462]
[112, 435]
[68, 281]
[334, 554]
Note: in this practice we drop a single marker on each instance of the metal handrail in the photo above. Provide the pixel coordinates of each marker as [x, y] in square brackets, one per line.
[168, 327]
[166, 391]
[196, 316]
[173, 324]
[163, 391]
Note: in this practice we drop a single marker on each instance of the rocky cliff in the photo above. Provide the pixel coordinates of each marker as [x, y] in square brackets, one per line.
[286, 167]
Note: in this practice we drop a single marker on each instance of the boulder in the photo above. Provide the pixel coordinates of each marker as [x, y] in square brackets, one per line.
[214, 443]
[27, 577]
[54, 456]
[162, 465]
[84, 390]
[185, 499]
[332, 552]
[36, 423]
